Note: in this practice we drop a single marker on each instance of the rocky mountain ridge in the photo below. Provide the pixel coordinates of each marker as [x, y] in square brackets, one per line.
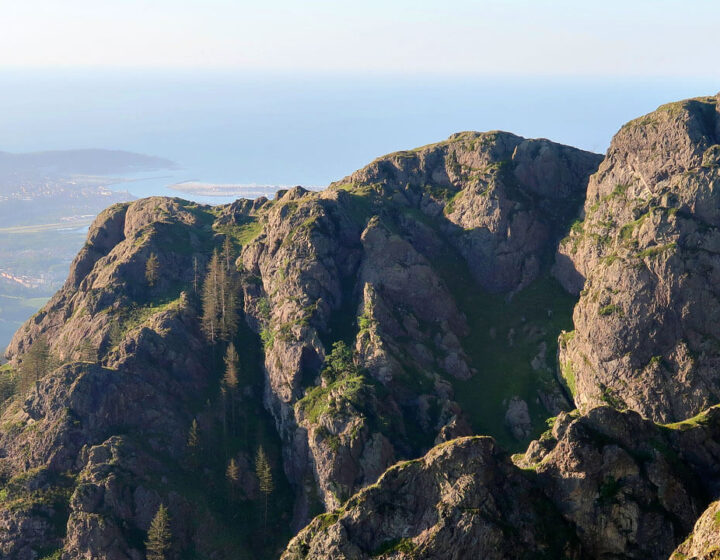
[403, 314]
[645, 333]
[604, 485]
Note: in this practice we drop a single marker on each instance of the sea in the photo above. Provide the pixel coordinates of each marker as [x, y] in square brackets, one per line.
[267, 131]
[270, 130]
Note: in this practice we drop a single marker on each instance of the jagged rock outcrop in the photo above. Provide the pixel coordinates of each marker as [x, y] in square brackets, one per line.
[607, 485]
[704, 542]
[90, 451]
[367, 262]
[646, 253]
[508, 197]
[381, 262]
[463, 499]
[107, 278]
[621, 481]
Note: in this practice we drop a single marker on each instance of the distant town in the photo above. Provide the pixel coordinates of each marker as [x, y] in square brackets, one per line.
[47, 202]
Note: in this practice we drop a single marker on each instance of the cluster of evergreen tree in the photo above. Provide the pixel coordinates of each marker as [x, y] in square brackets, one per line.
[158, 545]
[36, 363]
[225, 434]
[219, 300]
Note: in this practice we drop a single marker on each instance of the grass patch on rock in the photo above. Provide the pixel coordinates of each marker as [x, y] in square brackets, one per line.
[505, 339]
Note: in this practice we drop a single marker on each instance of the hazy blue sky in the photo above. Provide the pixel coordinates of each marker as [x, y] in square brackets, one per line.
[520, 37]
[286, 91]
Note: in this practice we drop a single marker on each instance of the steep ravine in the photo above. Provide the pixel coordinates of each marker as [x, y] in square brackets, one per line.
[391, 257]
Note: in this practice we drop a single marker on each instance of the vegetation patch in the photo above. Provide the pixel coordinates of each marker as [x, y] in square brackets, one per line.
[568, 376]
[365, 321]
[656, 250]
[392, 546]
[506, 338]
[50, 500]
[607, 261]
[610, 309]
[263, 307]
[566, 337]
[711, 157]
[655, 361]
[608, 491]
[133, 317]
[8, 385]
[319, 401]
[577, 227]
[267, 335]
[324, 520]
[610, 398]
[626, 231]
[243, 234]
[55, 554]
[345, 391]
[450, 205]
[700, 419]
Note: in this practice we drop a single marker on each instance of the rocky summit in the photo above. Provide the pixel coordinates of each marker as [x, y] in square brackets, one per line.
[643, 258]
[488, 347]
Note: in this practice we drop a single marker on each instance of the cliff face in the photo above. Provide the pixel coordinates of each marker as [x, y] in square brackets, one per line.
[604, 485]
[461, 500]
[90, 451]
[394, 268]
[704, 542]
[645, 327]
[385, 321]
[374, 262]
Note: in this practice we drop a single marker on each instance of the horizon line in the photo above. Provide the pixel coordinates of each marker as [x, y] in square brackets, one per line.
[361, 72]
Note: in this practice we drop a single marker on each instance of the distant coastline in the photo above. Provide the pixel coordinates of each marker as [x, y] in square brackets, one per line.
[198, 188]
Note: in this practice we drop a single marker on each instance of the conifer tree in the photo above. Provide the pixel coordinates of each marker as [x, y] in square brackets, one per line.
[8, 387]
[193, 442]
[232, 474]
[229, 287]
[230, 383]
[223, 291]
[264, 476]
[227, 253]
[230, 312]
[232, 366]
[159, 537]
[115, 335]
[36, 363]
[211, 308]
[220, 318]
[151, 270]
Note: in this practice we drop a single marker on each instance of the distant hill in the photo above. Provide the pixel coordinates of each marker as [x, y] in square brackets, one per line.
[80, 162]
